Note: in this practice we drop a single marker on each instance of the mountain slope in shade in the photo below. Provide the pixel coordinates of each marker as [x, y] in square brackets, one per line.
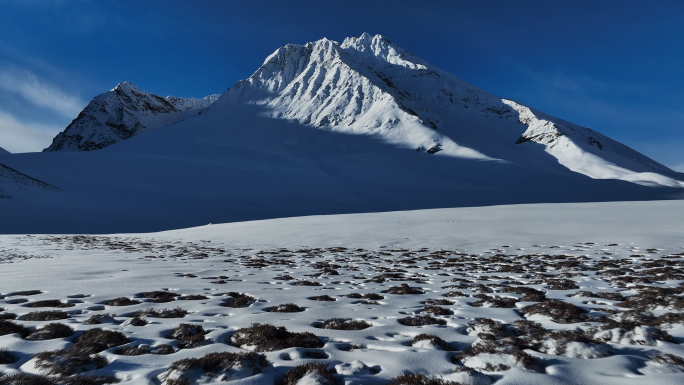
[121, 113]
[13, 181]
[3, 151]
[368, 85]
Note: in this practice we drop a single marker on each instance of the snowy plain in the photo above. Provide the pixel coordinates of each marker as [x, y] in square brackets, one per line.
[572, 253]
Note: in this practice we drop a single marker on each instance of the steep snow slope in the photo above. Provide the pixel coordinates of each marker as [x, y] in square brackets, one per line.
[368, 85]
[121, 113]
[12, 180]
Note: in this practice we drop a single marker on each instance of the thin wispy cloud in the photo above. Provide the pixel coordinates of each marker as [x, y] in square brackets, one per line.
[17, 136]
[39, 92]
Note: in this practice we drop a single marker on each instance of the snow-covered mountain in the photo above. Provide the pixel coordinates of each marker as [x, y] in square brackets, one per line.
[368, 85]
[13, 181]
[323, 128]
[3, 151]
[121, 113]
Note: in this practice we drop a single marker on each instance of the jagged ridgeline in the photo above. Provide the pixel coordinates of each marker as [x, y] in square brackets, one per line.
[121, 113]
[370, 86]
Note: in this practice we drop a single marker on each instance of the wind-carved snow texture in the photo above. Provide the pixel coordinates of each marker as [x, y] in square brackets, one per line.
[121, 113]
[11, 179]
[171, 310]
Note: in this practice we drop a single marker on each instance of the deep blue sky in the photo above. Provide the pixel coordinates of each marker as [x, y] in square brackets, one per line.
[614, 66]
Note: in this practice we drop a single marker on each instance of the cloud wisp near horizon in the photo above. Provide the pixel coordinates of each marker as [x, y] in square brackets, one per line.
[37, 110]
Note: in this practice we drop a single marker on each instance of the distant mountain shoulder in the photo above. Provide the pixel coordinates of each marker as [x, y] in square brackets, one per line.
[3, 151]
[121, 113]
[13, 180]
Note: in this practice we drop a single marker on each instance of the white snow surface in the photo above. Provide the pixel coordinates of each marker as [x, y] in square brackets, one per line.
[121, 113]
[417, 245]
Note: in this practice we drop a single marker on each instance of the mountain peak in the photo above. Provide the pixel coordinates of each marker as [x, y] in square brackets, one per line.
[121, 113]
[126, 86]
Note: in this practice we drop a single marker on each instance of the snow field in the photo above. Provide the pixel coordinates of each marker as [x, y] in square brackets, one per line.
[611, 311]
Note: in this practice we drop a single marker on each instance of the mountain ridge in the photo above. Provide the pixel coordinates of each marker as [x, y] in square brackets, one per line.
[121, 113]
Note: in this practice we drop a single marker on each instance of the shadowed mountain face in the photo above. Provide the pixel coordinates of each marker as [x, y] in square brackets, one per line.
[323, 128]
[13, 180]
[121, 113]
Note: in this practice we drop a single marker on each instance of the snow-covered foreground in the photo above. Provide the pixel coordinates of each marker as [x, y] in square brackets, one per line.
[572, 294]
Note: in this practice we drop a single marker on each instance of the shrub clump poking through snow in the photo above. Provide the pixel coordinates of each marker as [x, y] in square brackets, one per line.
[81, 356]
[6, 357]
[557, 311]
[34, 379]
[237, 300]
[419, 379]
[96, 340]
[49, 303]
[161, 313]
[51, 331]
[223, 366]
[650, 298]
[501, 302]
[310, 373]
[421, 320]
[67, 362]
[436, 310]
[669, 359]
[431, 341]
[9, 327]
[528, 294]
[269, 338]
[188, 335]
[342, 324]
[404, 289]
[122, 301]
[285, 308]
[52, 315]
[325, 298]
[158, 296]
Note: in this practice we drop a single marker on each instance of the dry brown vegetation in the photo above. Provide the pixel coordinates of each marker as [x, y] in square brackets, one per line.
[268, 338]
